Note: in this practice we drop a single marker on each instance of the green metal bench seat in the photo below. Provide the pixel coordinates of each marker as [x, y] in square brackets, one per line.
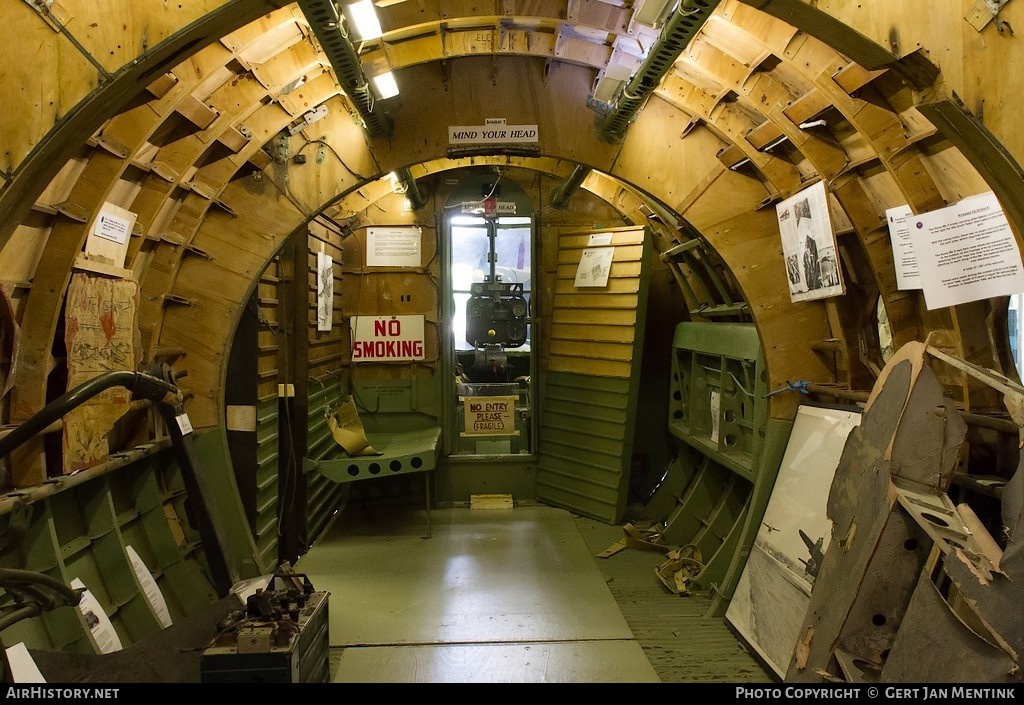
[401, 452]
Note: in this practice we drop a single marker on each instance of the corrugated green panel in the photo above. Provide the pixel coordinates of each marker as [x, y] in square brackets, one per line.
[323, 496]
[182, 576]
[602, 481]
[581, 448]
[570, 408]
[567, 440]
[267, 472]
[323, 499]
[318, 436]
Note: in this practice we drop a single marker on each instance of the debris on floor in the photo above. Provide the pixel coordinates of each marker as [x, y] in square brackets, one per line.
[681, 564]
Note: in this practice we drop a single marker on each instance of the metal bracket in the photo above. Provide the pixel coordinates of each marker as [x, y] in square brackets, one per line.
[45, 10]
[984, 11]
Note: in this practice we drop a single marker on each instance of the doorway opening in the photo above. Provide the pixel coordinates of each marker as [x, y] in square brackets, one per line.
[490, 345]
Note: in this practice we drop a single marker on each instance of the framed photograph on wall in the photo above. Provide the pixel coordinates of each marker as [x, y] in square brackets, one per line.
[809, 246]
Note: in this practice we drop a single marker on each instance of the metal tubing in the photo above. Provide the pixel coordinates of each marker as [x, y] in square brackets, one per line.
[142, 386]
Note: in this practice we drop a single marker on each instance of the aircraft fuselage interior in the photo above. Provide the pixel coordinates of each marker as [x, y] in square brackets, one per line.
[741, 276]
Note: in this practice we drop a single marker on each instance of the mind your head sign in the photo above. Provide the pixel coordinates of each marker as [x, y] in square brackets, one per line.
[387, 338]
[493, 131]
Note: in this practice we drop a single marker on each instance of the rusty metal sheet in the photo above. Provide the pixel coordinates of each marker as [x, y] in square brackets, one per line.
[934, 645]
[907, 433]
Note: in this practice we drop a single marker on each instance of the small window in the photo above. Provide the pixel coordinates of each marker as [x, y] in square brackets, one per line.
[1013, 328]
[470, 263]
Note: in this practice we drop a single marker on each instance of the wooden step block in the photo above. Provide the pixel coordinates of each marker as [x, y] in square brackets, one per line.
[490, 501]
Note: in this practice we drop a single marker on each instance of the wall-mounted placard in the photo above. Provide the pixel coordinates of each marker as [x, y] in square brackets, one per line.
[387, 338]
[966, 252]
[397, 246]
[809, 245]
[908, 275]
[594, 267]
[102, 631]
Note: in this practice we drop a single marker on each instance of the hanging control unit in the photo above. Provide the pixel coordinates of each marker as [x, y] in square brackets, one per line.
[496, 314]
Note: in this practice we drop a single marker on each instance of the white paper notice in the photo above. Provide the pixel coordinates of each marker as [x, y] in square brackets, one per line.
[599, 239]
[907, 274]
[595, 265]
[149, 588]
[100, 626]
[109, 233]
[23, 666]
[184, 424]
[716, 408]
[393, 247]
[966, 252]
[113, 227]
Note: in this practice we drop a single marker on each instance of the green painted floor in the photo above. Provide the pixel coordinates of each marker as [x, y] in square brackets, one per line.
[508, 595]
[681, 642]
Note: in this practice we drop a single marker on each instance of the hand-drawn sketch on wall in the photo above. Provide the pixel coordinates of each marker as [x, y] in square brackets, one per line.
[324, 291]
[774, 589]
[100, 336]
[809, 245]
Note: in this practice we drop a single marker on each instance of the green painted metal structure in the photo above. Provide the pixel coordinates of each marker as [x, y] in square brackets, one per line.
[728, 450]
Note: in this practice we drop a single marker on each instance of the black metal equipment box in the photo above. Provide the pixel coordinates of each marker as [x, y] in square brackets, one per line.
[281, 637]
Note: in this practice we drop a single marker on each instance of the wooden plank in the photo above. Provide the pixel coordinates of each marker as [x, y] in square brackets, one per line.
[594, 349]
[731, 156]
[196, 111]
[593, 368]
[588, 317]
[491, 501]
[162, 85]
[623, 253]
[596, 301]
[83, 264]
[808, 106]
[233, 139]
[765, 135]
[592, 13]
[599, 332]
[854, 76]
[620, 284]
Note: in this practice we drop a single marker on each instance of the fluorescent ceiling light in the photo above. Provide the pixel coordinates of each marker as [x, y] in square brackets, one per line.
[609, 81]
[385, 85]
[363, 15]
[651, 12]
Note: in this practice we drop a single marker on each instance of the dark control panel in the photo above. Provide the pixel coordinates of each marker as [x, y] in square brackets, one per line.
[496, 314]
